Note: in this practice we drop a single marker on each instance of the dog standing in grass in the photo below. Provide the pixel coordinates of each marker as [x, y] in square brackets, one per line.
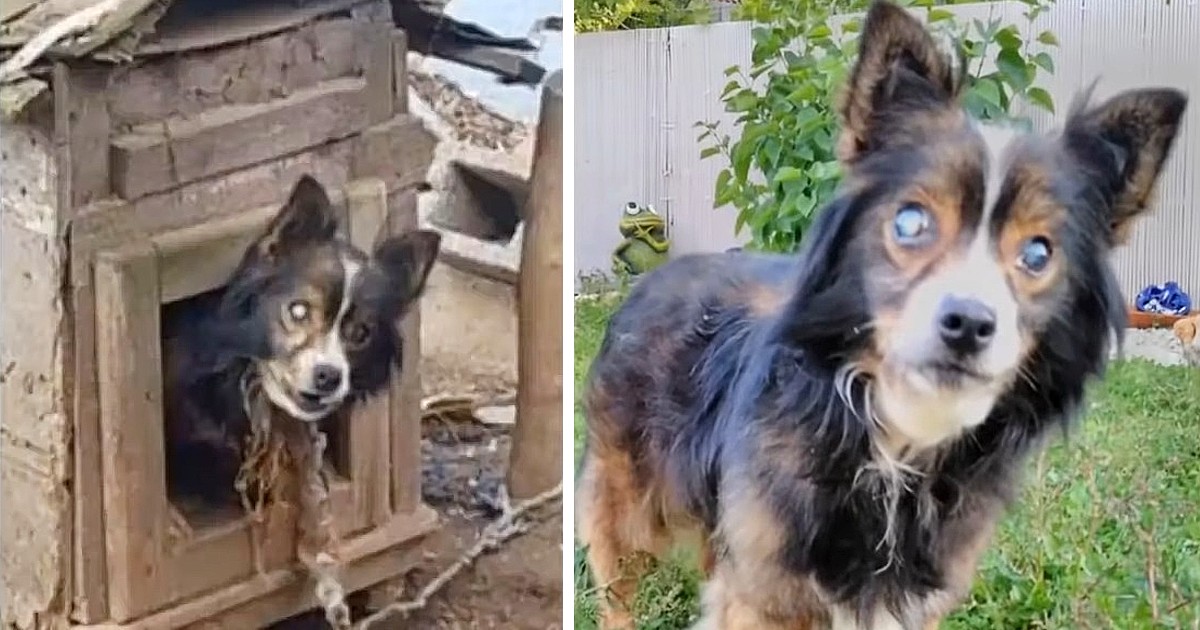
[844, 429]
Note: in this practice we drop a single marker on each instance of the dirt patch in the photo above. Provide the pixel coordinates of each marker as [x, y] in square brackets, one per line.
[520, 585]
[472, 122]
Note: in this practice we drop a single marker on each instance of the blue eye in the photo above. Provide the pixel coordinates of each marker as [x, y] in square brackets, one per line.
[913, 225]
[1035, 254]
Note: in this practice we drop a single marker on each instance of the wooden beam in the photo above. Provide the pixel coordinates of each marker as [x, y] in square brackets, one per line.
[131, 407]
[406, 386]
[81, 134]
[160, 156]
[370, 423]
[536, 459]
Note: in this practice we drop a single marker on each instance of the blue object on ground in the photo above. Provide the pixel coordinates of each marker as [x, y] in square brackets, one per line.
[1165, 298]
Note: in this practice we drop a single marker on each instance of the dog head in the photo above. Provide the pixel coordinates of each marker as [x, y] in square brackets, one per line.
[959, 254]
[317, 316]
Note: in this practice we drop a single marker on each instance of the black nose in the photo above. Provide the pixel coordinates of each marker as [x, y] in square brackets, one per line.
[966, 326]
[327, 378]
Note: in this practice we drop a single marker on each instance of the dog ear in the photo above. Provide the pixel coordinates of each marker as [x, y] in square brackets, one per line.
[1124, 143]
[307, 217]
[900, 70]
[407, 259]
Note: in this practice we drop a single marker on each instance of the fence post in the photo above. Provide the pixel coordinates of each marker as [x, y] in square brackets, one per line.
[535, 463]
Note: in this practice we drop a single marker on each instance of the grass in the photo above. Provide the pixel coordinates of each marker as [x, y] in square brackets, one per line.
[1106, 533]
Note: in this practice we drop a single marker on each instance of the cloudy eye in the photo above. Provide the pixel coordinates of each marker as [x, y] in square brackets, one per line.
[631, 208]
[298, 311]
[912, 225]
[1035, 254]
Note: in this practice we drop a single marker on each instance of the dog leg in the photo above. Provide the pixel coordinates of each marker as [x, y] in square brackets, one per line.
[727, 607]
[609, 510]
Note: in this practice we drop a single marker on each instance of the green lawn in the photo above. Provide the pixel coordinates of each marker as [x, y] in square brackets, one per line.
[1106, 534]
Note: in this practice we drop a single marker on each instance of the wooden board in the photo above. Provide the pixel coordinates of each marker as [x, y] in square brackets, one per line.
[406, 387]
[157, 157]
[128, 365]
[370, 460]
[81, 134]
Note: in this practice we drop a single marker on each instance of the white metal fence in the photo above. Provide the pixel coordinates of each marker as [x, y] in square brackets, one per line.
[639, 93]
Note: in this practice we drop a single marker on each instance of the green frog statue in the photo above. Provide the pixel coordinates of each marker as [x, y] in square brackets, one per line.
[645, 244]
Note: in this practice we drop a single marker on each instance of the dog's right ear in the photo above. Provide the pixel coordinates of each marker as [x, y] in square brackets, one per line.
[306, 218]
[900, 71]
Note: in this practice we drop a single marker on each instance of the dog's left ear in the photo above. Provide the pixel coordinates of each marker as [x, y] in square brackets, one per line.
[407, 260]
[1125, 142]
[900, 72]
[306, 218]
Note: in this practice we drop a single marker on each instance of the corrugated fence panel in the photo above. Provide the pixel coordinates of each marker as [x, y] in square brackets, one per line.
[695, 77]
[620, 150]
[1122, 43]
[1166, 245]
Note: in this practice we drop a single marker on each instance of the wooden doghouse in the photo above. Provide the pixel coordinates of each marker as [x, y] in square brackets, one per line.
[140, 155]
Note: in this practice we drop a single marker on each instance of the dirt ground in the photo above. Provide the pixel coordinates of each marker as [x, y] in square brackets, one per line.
[519, 586]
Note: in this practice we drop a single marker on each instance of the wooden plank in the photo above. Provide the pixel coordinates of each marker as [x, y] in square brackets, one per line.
[91, 592]
[406, 386]
[400, 67]
[375, 63]
[382, 554]
[129, 360]
[256, 71]
[200, 258]
[81, 134]
[536, 461]
[370, 431]
[238, 23]
[157, 157]
[399, 151]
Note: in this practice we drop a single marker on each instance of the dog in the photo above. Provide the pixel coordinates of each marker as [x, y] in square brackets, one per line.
[1187, 331]
[841, 431]
[310, 316]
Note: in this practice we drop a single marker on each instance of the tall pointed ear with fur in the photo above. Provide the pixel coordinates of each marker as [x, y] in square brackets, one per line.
[1124, 142]
[407, 259]
[900, 71]
[306, 218]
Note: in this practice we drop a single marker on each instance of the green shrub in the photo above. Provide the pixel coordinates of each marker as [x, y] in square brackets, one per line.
[782, 167]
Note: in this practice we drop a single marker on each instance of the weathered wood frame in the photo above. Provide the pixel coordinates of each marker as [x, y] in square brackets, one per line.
[146, 568]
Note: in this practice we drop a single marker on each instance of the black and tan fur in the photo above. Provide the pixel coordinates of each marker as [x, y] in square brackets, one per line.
[843, 429]
[307, 314]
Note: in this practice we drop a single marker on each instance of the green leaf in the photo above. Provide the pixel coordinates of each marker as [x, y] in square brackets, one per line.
[1044, 61]
[1009, 38]
[1048, 38]
[743, 101]
[852, 26]
[1013, 69]
[1041, 98]
[939, 15]
[731, 70]
[988, 90]
[788, 174]
[819, 32]
[709, 152]
[723, 192]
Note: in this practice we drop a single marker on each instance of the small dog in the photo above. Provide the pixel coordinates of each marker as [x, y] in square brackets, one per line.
[844, 429]
[1187, 331]
[311, 316]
